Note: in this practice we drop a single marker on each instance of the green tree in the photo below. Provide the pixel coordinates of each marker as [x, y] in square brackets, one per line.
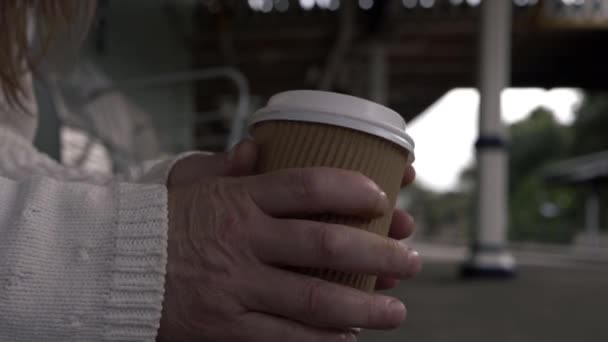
[590, 136]
[438, 213]
[537, 210]
[535, 141]
[590, 125]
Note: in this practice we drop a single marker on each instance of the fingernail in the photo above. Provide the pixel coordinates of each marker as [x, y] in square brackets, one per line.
[355, 331]
[348, 337]
[413, 263]
[411, 218]
[232, 153]
[373, 185]
[383, 201]
[396, 310]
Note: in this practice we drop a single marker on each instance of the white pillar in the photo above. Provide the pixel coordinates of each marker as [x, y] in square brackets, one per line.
[489, 254]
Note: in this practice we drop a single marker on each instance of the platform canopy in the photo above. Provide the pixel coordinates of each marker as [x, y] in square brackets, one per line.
[431, 46]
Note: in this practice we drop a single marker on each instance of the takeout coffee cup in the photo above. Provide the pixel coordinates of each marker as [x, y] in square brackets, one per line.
[306, 128]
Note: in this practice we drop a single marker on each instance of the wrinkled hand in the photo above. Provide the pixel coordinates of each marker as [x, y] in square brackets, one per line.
[240, 161]
[227, 245]
[402, 226]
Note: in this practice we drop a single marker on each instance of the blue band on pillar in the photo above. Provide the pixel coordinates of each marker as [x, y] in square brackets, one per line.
[491, 142]
[487, 247]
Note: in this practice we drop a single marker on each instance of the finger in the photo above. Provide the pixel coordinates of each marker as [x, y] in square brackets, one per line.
[311, 300]
[386, 283]
[408, 176]
[303, 243]
[317, 190]
[414, 263]
[260, 327]
[240, 160]
[402, 225]
[196, 167]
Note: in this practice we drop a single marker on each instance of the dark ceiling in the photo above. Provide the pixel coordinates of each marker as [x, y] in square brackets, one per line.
[429, 51]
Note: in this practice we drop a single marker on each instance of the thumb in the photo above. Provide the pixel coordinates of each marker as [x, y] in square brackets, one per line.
[239, 161]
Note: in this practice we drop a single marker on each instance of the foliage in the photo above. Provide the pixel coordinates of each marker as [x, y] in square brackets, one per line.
[537, 210]
[590, 125]
[535, 141]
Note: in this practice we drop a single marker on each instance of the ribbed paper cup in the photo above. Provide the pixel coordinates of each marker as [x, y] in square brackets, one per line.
[311, 128]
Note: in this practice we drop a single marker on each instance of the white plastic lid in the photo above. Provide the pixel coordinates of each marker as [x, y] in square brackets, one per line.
[338, 110]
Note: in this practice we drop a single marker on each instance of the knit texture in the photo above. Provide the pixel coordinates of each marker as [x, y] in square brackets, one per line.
[82, 255]
[81, 262]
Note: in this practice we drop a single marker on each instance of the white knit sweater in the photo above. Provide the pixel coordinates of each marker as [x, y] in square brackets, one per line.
[82, 256]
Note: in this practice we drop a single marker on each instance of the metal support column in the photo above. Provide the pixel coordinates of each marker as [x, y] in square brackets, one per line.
[489, 255]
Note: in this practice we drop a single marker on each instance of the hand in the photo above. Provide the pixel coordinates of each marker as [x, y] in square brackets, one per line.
[402, 226]
[228, 243]
[239, 161]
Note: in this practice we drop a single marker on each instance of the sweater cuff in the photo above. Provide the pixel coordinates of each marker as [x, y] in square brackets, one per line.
[138, 274]
[159, 172]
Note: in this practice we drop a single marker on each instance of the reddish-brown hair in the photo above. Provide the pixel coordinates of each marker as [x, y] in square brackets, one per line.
[16, 56]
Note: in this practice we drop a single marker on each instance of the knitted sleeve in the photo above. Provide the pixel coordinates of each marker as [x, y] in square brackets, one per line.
[82, 256]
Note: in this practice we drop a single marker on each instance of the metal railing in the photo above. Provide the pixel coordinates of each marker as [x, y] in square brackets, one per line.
[124, 158]
[241, 83]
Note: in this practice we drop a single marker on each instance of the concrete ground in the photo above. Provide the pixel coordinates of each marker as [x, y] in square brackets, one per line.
[553, 304]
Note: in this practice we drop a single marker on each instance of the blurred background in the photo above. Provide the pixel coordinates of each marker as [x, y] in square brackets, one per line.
[157, 77]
